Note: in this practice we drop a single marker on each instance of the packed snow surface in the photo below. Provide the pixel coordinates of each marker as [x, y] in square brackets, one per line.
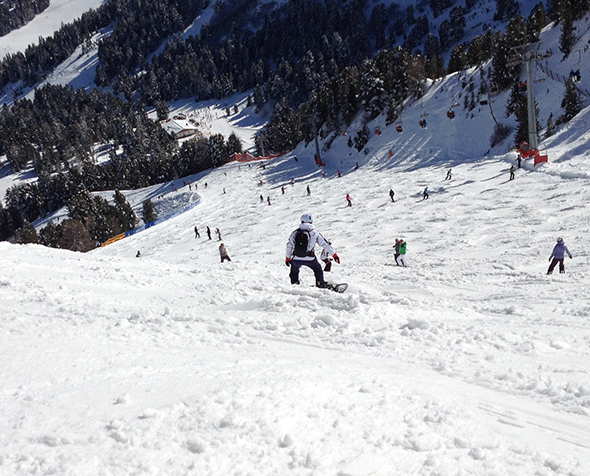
[470, 361]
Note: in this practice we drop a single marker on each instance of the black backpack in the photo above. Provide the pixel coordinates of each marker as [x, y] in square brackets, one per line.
[301, 242]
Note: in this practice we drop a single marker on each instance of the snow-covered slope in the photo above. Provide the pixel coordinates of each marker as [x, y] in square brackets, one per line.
[470, 361]
[45, 24]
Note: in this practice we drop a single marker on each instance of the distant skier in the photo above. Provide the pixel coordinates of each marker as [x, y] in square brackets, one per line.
[449, 174]
[268, 200]
[391, 194]
[348, 200]
[223, 253]
[197, 235]
[209, 232]
[557, 256]
[308, 191]
[512, 172]
[425, 194]
[339, 173]
[138, 255]
[283, 190]
[300, 251]
[218, 233]
[401, 259]
[261, 198]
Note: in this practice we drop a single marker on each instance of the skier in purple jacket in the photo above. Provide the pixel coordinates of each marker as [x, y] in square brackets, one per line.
[557, 256]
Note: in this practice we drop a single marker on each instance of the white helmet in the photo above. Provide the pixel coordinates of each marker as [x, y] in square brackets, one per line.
[559, 239]
[306, 218]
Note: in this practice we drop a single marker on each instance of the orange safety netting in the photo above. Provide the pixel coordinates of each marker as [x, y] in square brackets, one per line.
[247, 157]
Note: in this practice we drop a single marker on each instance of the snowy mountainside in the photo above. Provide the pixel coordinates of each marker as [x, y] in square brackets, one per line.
[470, 359]
[45, 24]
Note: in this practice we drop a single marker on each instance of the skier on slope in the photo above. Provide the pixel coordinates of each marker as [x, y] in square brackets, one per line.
[557, 256]
[401, 259]
[223, 253]
[300, 251]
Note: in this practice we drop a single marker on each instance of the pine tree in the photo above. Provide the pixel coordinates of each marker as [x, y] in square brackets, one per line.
[458, 60]
[26, 234]
[126, 215]
[550, 129]
[505, 9]
[571, 103]
[568, 37]
[148, 214]
[74, 236]
[536, 21]
[503, 76]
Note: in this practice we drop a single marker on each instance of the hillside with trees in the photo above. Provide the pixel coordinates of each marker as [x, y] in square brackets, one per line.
[15, 14]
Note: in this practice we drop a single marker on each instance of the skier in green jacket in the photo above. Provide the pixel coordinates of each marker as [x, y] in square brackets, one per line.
[401, 259]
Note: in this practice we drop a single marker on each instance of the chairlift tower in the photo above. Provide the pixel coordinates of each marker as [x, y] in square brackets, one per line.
[525, 54]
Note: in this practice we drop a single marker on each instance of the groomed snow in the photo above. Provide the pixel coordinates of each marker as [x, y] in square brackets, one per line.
[470, 361]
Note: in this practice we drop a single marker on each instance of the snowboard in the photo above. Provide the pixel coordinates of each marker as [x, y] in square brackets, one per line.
[339, 288]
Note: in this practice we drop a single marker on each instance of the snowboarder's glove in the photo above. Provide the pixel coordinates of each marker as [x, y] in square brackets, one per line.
[571, 256]
[550, 258]
[336, 258]
[287, 261]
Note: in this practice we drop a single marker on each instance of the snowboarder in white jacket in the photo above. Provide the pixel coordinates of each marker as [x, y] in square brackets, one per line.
[296, 257]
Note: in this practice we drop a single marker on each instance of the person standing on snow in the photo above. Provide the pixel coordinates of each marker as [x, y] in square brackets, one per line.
[425, 194]
[511, 172]
[348, 200]
[197, 234]
[209, 232]
[557, 256]
[391, 194]
[401, 259]
[223, 253]
[300, 251]
[449, 174]
[396, 249]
